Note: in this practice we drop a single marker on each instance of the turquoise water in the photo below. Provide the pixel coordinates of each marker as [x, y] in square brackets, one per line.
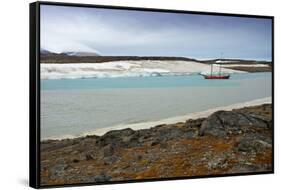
[75, 106]
[144, 82]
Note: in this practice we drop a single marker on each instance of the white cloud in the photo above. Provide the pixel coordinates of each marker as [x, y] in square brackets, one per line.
[123, 33]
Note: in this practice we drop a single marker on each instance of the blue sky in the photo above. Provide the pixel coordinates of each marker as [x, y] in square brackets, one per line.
[124, 32]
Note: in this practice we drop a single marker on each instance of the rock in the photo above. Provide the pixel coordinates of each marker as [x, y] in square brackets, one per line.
[75, 160]
[163, 145]
[154, 143]
[132, 140]
[194, 123]
[224, 123]
[75, 152]
[246, 168]
[111, 159]
[116, 137]
[139, 157]
[254, 143]
[218, 163]
[191, 132]
[58, 170]
[108, 150]
[165, 134]
[119, 133]
[88, 157]
[102, 177]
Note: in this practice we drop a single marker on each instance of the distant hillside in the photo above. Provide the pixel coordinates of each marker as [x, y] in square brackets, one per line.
[85, 57]
[48, 56]
[92, 57]
[242, 65]
[234, 61]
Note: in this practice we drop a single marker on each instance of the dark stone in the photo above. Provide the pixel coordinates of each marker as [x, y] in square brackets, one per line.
[254, 143]
[164, 145]
[75, 160]
[169, 133]
[139, 157]
[218, 163]
[111, 159]
[154, 143]
[224, 123]
[118, 133]
[116, 137]
[108, 150]
[246, 168]
[102, 177]
[88, 157]
[131, 140]
[58, 170]
[194, 123]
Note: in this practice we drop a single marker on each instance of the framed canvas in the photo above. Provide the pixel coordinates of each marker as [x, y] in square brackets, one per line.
[121, 94]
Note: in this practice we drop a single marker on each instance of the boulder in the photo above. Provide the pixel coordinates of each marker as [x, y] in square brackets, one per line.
[194, 123]
[224, 123]
[217, 163]
[88, 157]
[116, 137]
[57, 171]
[254, 143]
[108, 150]
[111, 159]
[102, 177]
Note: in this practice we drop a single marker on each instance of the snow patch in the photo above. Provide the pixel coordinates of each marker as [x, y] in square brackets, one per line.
[222, 61]
[244, 65]
[126, 69]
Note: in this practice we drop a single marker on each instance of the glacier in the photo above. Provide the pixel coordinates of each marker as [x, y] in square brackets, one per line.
[139, 68]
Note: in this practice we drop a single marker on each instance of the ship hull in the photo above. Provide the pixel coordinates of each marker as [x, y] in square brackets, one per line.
[216, 77]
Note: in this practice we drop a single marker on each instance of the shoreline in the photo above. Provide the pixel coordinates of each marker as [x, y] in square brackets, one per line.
[171, 120]
[226, 142]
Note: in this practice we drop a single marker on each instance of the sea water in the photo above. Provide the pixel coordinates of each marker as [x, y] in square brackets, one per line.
[74, 106]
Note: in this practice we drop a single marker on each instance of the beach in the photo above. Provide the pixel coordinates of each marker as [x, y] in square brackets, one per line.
[177, 119]
[225, 142]
[172, 120]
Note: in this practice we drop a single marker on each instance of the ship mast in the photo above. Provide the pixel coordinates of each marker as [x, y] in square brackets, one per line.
[220, 69]
[220, 64]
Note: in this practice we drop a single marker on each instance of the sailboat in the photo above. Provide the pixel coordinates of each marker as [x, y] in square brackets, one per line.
[216, 75]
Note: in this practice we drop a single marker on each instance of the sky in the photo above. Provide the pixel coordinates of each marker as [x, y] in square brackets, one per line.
[145, 33]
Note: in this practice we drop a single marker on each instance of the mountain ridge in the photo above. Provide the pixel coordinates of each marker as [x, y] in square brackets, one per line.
[92, 57]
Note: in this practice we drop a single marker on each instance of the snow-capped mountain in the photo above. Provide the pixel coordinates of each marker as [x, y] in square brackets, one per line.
[69, 53]
[81, 54]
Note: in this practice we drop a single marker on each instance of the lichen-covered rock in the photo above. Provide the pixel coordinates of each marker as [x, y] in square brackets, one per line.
[102, 177]
[224, 123]
[235, 141]
[254, 143]
[108, 150]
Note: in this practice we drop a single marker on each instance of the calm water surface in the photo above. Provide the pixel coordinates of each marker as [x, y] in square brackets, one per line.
[74, 106]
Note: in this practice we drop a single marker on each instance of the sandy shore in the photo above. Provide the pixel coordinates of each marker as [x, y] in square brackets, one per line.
[172, 120]
[226, 142]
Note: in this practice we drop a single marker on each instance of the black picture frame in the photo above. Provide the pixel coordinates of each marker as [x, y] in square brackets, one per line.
[34, 90]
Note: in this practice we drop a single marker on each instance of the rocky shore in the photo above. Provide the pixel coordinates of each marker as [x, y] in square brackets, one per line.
[226, 142]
